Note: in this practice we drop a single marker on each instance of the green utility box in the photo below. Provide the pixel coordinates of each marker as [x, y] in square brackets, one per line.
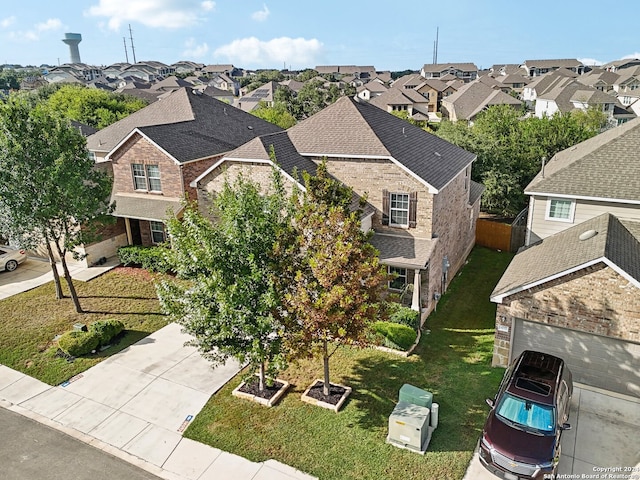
[415, 395]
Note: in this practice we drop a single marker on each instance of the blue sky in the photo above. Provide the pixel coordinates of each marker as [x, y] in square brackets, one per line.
[300, 33]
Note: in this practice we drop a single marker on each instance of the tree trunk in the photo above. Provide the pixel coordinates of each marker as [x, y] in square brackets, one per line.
[325, 359]
[67, 276]
[262, 375]
[54, 270]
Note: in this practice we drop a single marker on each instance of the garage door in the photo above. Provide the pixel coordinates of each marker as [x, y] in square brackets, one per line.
[594, 360]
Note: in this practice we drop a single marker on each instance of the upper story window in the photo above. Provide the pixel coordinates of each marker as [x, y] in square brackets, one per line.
[399, 210]
[560, 210]
[146, 177]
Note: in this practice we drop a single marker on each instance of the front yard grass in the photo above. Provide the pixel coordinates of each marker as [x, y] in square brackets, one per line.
[29, 321]
[453, 361]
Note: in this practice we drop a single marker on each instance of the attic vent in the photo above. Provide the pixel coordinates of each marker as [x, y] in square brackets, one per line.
[587, 235]
[249, 127]
[437, 154]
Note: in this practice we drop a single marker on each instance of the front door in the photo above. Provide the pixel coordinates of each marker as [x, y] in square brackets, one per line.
[136, 239]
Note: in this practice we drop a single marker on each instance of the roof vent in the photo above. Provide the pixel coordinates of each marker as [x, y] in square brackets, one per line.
[588, 234]
[437, 154]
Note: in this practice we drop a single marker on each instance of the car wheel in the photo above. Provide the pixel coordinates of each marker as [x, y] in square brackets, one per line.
[11, 265]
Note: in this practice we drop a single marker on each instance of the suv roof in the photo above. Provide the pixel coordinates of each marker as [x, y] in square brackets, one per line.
[536, 377]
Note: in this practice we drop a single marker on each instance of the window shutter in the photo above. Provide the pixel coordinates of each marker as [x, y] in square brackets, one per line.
[413, 202]
[385, 207]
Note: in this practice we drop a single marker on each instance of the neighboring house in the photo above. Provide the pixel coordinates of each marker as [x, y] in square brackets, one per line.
[586, 180]
[156, 152]
[600, 80]
[148, 71]
[81, 71]
[169, 84]
[363, 72]
[264, 93]
[187, 66]
[629, 80]
[225, 82]
[227, 69]
[399, 100]
[535, 68]
[293, 85]
[472, 99]
[542, 84]
[513, 81]
[422, 204]
[574, 290]
[467, 72]
[574, 95]
[617, 65]
[371, 90]
[432, 90]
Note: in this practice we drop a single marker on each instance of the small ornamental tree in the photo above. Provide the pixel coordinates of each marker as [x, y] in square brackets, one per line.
[229, 303]
[50, 190]
[336, 280]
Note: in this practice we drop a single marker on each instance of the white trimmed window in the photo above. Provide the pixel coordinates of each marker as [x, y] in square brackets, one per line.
[400, 278]
[560, 210]
[146, 177]
[157, 232]
[399, 210]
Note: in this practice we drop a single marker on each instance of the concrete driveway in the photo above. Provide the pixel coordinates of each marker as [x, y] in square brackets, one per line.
[605, 434]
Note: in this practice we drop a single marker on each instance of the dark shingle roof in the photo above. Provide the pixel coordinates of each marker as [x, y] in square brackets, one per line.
[355, 129]
[616, 242]
[605, 166]
[403, 251]
[216, 128]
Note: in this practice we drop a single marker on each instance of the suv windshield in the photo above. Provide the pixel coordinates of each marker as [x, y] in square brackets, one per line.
[526, 413]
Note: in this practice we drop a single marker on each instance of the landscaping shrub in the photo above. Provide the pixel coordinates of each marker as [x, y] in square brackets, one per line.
[154, 259]
[106, 330]
[77, 343]
[404, 315]
[397, 336]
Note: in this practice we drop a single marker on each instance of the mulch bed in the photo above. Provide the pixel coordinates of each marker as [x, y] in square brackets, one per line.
[252, 387]
[335, 393]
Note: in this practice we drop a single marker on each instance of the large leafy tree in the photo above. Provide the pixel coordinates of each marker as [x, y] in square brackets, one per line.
[276, 114]
[50, 191]
[511, 148]
[230, 302]
[335, 281]
[94, 107]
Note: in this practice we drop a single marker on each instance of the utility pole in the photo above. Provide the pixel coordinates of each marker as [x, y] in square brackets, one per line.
[124, 40]
[133, 50]
[435, 47]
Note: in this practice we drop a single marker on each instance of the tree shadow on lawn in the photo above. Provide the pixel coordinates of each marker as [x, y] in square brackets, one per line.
[102, 312]
[121, 297]
[454, 365]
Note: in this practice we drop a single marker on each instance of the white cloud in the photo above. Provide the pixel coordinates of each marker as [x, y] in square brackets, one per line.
[298, 51]
[590, 61]
[6, 22]
[261, 15]
[50, 24]
[193, 50]
[632, 55]
[208, 5]
[152, 13]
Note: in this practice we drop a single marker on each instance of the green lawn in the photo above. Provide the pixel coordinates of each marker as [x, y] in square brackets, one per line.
[29, 321]
[452, 361]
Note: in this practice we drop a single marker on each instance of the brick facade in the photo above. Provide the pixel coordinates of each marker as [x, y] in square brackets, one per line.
[594, 300]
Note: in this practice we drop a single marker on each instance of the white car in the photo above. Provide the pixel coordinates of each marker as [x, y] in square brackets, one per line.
[11, 257]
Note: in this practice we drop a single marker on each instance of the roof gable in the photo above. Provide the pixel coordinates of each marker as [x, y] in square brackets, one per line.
[565, 252]
[605, 166]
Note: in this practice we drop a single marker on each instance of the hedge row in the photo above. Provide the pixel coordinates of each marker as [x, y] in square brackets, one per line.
[396, 336]
[154, 259]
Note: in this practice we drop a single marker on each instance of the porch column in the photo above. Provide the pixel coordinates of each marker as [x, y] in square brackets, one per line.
[415, 301]
[127, 226]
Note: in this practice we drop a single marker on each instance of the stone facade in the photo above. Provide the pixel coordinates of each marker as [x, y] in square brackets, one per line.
[595, 300]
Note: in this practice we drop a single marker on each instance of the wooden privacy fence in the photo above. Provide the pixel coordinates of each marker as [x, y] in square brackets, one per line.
[508, 237]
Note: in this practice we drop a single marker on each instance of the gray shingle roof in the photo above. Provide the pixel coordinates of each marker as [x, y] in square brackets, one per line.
[474, 97]
[440, 67]
[605, 166]
[216, 128]
[145, 207]
[475, 192]
[562, 62]
[350, 128]
[403, 251]
[615, 242]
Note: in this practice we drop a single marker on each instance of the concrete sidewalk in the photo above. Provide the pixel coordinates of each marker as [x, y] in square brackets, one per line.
[37, 271]
[136, 404]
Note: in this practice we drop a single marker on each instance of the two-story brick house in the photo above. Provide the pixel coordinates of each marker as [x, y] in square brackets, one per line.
[422, 204]
[158, 151]
[574, 290]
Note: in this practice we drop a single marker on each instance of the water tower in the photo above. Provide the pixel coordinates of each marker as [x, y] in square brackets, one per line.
[73, 39]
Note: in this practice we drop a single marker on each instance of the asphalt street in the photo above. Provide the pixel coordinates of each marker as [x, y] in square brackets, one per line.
[29, 450]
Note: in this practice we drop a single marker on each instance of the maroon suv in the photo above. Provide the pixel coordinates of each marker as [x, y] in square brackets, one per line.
[521, 437]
